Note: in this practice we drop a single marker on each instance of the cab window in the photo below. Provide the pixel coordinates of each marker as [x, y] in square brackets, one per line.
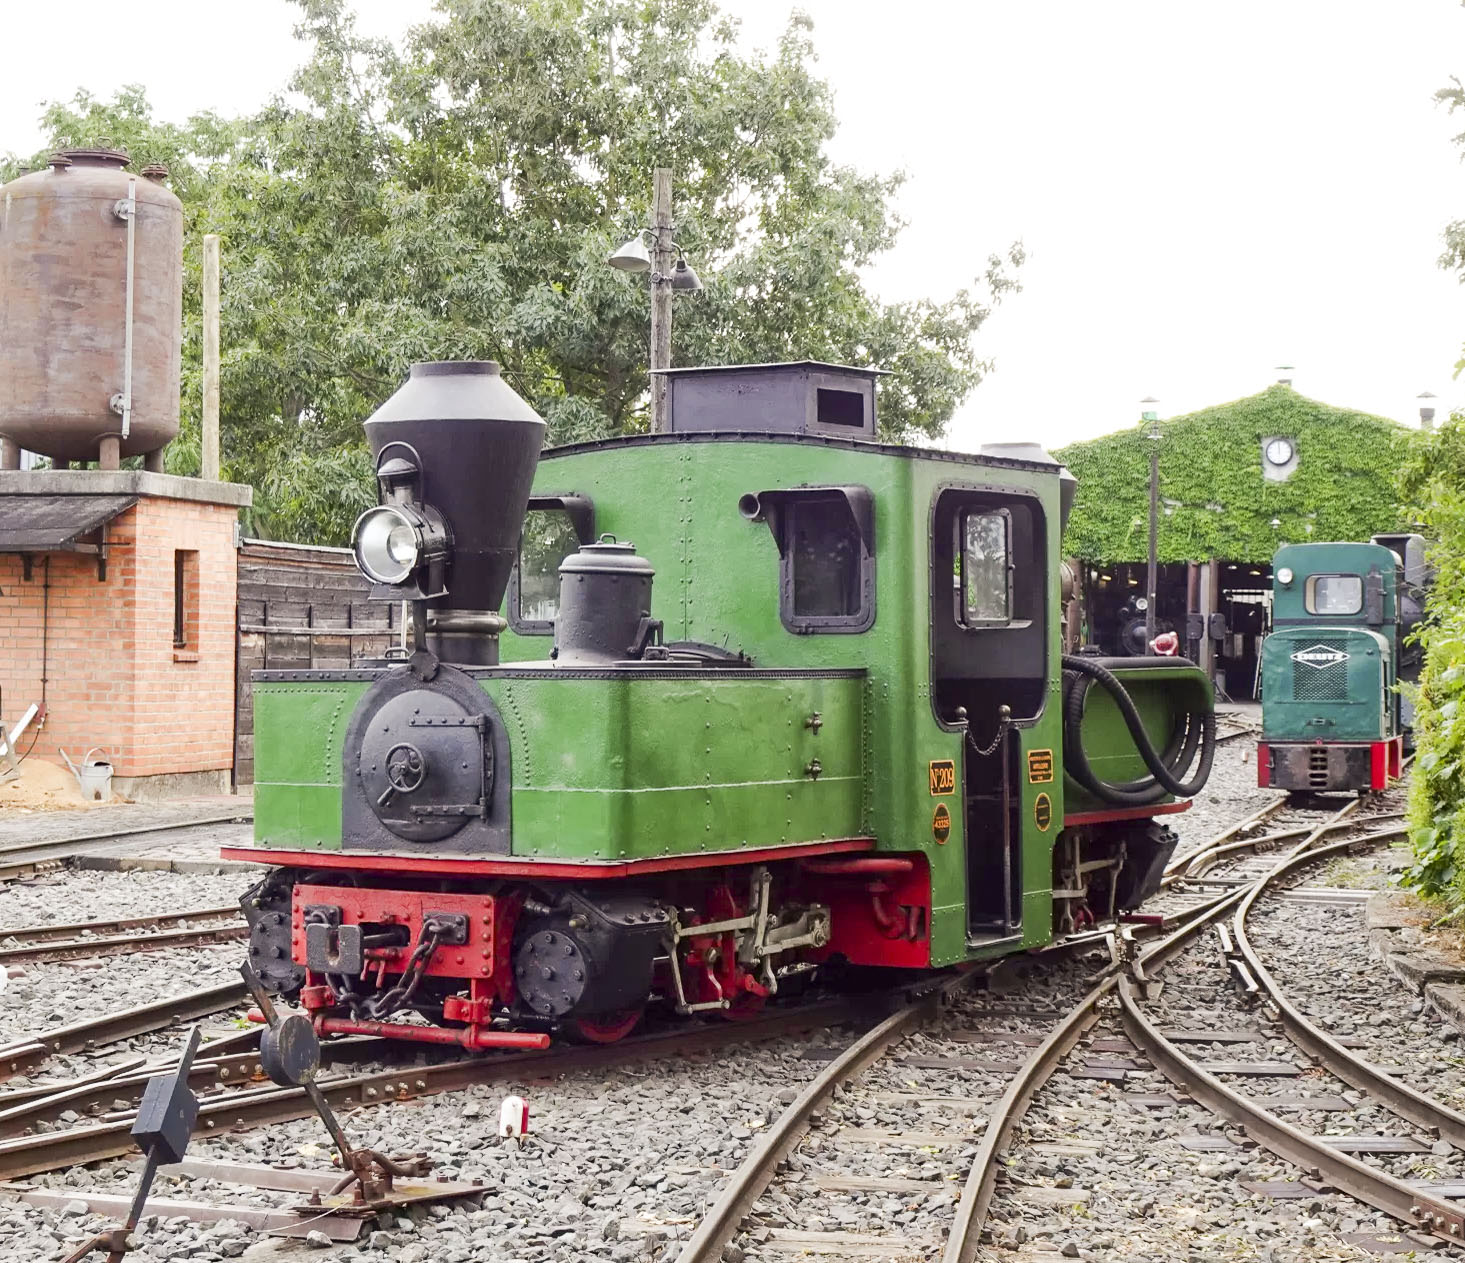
[534, 594]
[985, 574]
[1333, 594]
[824, 569]
[827, 582]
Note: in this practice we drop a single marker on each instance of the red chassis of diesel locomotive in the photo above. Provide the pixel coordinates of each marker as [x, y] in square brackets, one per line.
[497, 953]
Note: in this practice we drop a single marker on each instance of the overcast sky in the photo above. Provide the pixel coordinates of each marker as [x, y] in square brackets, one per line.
[1205, 192]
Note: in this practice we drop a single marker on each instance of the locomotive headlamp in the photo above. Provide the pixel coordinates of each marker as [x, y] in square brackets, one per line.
[395, 544]
[1284, 576]
[387, 544]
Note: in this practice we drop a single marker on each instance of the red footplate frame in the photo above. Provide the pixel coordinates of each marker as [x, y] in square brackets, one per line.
[483, 963]
[481, 956]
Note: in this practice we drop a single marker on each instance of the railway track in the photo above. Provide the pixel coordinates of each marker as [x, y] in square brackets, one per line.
[41, 944]
[868, 1072]
[23, 860]
[755, 1186]
[90, 1034]
[234, 1108]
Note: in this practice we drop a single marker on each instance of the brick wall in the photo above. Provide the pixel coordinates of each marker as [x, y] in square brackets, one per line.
[114, 677]
[183, 697]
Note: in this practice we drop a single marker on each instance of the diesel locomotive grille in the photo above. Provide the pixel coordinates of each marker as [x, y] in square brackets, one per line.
[1327, 683]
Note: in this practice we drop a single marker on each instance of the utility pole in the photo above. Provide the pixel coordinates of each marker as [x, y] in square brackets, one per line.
[1152, 415]
[209, 437]
[662, 256]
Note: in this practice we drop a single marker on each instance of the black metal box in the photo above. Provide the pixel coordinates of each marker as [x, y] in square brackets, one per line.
[802, 397]
[166, 1116]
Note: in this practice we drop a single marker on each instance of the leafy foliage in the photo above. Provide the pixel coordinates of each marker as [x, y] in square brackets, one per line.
[1434, 482]
[457, 197]
[1216, 502]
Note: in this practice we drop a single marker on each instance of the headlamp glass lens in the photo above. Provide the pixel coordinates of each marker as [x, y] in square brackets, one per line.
[386, 545]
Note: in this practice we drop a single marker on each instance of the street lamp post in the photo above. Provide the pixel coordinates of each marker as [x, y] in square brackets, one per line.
[669, 271]
[661, 261]
[1151, 413]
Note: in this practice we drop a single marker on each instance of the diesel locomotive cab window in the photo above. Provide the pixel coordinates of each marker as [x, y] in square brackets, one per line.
[1334, 594]
[984, 576]
[549, 537]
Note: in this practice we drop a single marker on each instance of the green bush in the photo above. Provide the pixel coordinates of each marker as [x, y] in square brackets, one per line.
[1431, 480]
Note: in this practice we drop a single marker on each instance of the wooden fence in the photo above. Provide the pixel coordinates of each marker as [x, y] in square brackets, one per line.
[300, 608]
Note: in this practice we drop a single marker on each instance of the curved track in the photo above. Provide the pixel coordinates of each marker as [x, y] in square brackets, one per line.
[1124, 980]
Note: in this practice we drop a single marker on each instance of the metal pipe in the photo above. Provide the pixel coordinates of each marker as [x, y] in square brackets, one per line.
[1004, 772]
[209, 463]
[469, 1037]
[128, 211]
[1153, 578]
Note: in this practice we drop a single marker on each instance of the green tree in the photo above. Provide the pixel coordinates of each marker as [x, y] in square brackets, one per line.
[456, 198]
[1433, 481]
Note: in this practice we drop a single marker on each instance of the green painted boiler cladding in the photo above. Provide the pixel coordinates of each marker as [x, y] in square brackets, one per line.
[688, 720]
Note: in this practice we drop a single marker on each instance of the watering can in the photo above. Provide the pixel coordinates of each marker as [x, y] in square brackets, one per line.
[94, 775]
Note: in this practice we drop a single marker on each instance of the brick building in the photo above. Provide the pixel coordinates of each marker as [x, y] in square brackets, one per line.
[118, 612]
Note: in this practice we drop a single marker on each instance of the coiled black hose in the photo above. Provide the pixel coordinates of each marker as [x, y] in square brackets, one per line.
[1166, 770]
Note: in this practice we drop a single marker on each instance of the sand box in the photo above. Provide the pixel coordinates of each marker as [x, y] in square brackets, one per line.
[45, 786]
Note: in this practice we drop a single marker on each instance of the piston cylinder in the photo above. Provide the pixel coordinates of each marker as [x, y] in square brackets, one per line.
[91, 310]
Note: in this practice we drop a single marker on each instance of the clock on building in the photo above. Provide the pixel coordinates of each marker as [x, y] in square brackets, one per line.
[1279, 451]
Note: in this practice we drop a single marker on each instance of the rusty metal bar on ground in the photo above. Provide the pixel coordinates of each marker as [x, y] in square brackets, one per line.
[1177, 867]
[722, 1219]
[1404, 1100]
[1370, 1185]
[238, 815]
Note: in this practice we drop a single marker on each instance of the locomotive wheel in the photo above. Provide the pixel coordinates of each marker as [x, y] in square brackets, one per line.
[602, 1030]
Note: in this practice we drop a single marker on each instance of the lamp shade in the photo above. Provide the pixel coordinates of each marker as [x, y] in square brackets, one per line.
[632, 257]
[683, 278]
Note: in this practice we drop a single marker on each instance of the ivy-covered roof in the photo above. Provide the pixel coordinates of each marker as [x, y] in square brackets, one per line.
[1215, 501]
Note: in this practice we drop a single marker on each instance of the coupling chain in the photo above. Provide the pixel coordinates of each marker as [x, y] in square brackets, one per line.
[389, 1001]
[983, 752]
[1004, 722]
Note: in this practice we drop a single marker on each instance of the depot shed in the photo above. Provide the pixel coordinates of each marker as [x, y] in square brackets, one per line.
[1236, 482]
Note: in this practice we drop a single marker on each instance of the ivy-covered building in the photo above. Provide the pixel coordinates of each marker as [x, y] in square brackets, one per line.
[1236, 482]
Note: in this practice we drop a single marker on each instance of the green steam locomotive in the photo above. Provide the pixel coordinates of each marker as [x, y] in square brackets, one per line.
[841, 733]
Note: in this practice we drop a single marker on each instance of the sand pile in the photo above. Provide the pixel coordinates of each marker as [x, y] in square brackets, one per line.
[45, 786]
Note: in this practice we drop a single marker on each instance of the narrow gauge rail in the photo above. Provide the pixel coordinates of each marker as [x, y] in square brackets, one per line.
[23, 860]
[233, 1109]
[758, 1170]
[93, 1033]
[42, 944]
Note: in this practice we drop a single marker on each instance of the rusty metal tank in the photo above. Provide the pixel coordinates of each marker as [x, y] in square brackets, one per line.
[91, 299]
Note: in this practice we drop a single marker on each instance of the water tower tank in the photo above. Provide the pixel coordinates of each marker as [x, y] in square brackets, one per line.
[91, 307]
